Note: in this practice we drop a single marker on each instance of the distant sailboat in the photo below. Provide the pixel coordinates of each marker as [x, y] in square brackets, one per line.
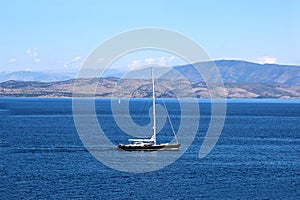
[150, 144]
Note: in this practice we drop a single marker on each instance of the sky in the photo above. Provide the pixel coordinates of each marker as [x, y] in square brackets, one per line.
[57, 36]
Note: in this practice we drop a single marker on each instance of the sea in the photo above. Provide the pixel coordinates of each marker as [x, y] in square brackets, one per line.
[257, 155]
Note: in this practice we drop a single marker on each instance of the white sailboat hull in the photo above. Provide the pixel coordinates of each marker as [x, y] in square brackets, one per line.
[149, 147]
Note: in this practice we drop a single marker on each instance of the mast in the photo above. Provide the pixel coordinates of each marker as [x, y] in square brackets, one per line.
[153, 106]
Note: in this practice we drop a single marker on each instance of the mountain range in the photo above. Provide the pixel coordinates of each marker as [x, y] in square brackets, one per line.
[34, 76]
[242, 80]
[232, 71]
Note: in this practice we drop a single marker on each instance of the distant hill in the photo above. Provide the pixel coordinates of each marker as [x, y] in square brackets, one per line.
[34, 76]
[108, 87]
[242, 80]
[233, 71]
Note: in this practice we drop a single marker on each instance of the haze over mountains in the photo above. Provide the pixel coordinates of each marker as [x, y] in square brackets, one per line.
[34, 76]
[232, 71]
[242, 80]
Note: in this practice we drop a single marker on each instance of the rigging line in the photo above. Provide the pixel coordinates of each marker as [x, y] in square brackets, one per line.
[138, 115]
[144, 104]
[167, 113]
[170, 122]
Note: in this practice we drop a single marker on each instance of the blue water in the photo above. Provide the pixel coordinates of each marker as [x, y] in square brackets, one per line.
[257, 155]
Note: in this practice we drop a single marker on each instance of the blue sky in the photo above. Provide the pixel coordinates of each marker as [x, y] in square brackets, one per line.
[58, 35]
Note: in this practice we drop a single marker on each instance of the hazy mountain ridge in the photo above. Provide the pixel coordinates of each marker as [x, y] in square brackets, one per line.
[108, 87]
[242, 80]
[34, 76]
[234, 71]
